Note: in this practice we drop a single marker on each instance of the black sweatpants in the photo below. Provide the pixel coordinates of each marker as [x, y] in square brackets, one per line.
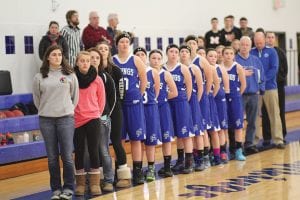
[89, 132]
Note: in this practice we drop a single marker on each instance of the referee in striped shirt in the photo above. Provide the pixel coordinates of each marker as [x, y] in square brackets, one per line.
[71, 33]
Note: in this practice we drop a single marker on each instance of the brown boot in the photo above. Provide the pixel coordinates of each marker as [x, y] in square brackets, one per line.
[124, 177]
[95, 183]
[80, 184]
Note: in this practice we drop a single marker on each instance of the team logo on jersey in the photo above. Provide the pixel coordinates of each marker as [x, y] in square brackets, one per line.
[177, 78]
[224, 123]
[266, 55]
[196, 128]
[127, 71]
[139, 132]
[184, 130]
[232, 77]
[238, 122]
[153, 138]
[166, 135]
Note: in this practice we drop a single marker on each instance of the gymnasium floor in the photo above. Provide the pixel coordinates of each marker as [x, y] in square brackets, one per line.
[272, 174]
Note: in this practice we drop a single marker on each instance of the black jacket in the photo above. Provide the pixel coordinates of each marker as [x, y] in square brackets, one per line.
[110, 92]
[46, 42]
[283, 66]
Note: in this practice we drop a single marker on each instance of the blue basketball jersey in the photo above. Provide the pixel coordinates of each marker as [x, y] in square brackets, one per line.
[179, 81]
[131, 79]
[234, 82]
[149, 95]
[196, 61]
[194, 82]
[221, 92]
[163, 92]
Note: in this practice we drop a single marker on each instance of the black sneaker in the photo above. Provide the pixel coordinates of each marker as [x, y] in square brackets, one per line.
[138, 177]
[251, 150]
[165, 172]
[280, 146]
[178, 167]
[188, 167]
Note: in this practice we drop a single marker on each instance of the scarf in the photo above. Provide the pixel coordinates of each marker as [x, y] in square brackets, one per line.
[53, 38]
[85, 80]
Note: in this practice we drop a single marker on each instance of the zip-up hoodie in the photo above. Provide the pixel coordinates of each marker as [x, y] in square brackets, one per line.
[255, 83]
[269, 59]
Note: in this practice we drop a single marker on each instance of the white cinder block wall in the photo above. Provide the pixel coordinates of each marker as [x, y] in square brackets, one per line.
[147, 18]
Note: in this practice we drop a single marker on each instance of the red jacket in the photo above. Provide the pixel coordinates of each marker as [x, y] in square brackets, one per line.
[92, 36]
[91, 103]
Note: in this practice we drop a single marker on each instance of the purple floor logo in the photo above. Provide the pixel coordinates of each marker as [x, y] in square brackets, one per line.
[241, 183]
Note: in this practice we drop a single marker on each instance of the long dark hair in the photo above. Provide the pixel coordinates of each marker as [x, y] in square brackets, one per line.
[110, 63]
[100, 67]
[66, 68]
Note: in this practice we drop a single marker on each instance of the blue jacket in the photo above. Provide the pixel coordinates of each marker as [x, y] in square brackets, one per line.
[269, 58]
[256, 82]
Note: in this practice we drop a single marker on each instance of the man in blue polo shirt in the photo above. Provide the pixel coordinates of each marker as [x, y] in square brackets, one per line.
[269, 59]
[255, 85]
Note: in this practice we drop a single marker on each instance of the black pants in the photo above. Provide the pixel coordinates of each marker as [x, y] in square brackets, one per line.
[265, 118]
[231, 137]
[116, 134]
[89, 132]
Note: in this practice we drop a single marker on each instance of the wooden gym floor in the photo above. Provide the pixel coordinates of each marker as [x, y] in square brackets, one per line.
[272, 174]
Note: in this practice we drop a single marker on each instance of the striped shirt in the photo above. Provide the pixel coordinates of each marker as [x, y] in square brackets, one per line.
[72, 36]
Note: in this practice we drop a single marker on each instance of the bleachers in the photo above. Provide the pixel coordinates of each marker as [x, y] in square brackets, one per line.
[32, 150]
[25, 151]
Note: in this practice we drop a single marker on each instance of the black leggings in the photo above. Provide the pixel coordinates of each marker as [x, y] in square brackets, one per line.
[89, 132]
[116, 134]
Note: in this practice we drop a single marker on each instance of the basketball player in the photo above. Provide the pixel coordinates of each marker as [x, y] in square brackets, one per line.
[135, 81]
[180, 109]
[168, 90]
[202, 63]
[153, 132]
[185, 58]
[220, 102]
[237, 84]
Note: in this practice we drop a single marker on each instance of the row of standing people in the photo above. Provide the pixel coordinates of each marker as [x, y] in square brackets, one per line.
[135, 83]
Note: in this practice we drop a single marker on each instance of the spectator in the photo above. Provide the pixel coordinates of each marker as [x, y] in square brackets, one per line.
[281, 81]
[246, 31]
[53, 37]
[87, 127]
[105, 121]
[71, 33]
[56, 83]
[229, 32]
[123, 173]
[212, 37]
[255, 86]
[269, 59]
[112, 31]
[93, 33]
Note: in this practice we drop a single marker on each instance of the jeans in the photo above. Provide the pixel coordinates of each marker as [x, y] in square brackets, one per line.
[250, 103]
[105, 157]
[58, 136]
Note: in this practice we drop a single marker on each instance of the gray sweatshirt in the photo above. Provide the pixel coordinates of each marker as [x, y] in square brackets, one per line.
[57, 95]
